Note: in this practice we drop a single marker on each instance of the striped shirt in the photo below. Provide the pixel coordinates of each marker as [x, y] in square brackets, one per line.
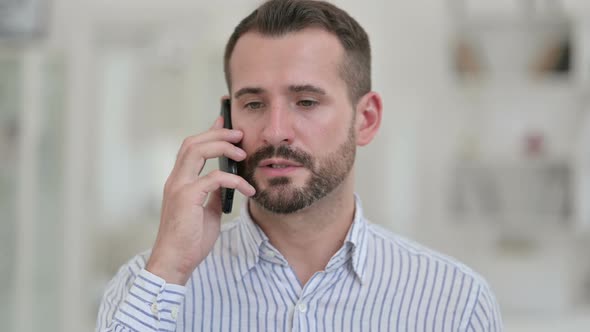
[377, 281]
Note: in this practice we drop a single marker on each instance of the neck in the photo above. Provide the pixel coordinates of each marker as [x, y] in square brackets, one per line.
[309, 238]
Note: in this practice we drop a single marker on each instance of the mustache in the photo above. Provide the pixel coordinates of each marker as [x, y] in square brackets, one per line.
[282, 151]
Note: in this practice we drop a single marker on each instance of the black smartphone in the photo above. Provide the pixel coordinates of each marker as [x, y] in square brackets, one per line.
[226, 164]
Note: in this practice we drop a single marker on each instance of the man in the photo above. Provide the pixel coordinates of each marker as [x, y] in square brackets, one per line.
[301, 256]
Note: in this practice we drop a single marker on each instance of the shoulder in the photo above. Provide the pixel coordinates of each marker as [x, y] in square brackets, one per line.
[445, 276]
[434, 268]
[404, 246]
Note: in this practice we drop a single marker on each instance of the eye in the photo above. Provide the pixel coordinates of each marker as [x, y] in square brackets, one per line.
[254, 105]
[307, 103]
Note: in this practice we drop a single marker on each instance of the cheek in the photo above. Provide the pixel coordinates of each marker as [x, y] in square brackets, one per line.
[327, 133]
[250, 127]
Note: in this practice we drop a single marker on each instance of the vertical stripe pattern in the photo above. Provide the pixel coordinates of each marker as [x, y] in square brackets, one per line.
[376, 282]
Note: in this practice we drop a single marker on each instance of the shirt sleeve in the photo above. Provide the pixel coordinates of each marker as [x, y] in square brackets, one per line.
[137, 300]
[486, 315]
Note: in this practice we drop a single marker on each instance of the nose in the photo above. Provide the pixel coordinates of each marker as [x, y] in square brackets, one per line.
[278, 126]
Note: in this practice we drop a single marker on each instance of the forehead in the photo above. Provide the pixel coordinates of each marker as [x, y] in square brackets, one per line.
[311, 55]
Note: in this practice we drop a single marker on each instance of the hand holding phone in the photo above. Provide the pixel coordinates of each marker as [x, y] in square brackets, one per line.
[191, 218]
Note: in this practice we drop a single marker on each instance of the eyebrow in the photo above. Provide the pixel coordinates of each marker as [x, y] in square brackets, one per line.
[250, 90]
[292, 88]
[307, 88]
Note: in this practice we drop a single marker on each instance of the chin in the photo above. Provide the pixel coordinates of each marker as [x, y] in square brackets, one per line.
[285, 198]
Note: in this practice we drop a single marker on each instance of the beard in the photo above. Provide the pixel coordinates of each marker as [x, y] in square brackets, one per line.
[281, 195]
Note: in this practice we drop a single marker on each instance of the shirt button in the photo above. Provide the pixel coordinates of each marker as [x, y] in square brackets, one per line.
[154, 308]
[270, 253]
[302, 307]
[174, 312]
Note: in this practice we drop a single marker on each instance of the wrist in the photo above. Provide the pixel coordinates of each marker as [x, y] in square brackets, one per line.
[166, 271]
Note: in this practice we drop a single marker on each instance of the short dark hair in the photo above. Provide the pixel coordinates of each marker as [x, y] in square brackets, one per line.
[279, 17]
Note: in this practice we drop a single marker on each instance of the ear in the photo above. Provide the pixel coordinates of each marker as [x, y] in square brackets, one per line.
[368, 117]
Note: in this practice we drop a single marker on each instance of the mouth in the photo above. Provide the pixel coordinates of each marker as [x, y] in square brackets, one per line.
[278, 167]
[278, 163]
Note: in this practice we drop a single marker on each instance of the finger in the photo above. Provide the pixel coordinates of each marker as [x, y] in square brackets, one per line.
[217, 179]
[229, 135]
[191, 165]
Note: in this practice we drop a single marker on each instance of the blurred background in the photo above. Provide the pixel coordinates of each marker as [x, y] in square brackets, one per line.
[484, 150]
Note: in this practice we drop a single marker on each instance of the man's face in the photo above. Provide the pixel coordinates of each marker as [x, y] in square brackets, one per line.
[292, 105]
